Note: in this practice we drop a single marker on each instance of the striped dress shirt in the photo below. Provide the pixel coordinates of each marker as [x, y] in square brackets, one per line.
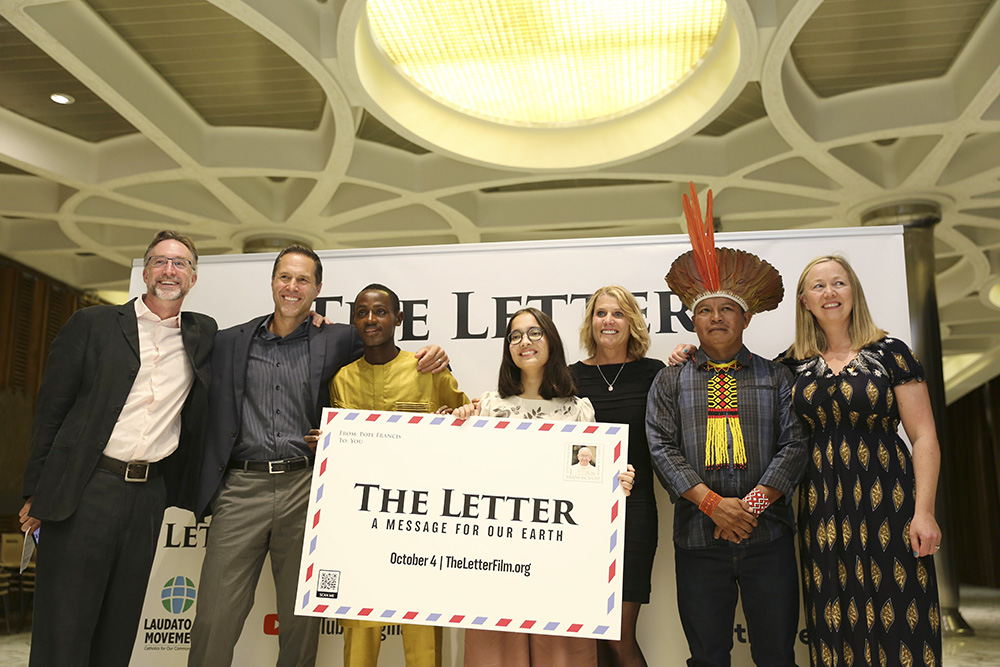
[276, 399]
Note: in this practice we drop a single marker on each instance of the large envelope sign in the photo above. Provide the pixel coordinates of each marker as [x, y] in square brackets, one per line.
[484, 523]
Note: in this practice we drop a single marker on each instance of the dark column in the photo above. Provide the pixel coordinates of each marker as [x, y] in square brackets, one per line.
[918, 220]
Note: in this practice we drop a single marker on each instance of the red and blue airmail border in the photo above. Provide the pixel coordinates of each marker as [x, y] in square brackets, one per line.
[499, 524]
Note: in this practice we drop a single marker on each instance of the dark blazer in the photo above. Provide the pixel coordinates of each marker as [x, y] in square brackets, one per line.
[331, 346]
[92, 364]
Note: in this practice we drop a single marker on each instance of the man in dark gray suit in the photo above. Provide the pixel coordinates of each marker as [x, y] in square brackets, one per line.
[116, 439]
[270, 383]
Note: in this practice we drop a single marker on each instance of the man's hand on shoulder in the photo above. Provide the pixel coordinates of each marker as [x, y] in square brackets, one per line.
[318, 320]
[431, 359]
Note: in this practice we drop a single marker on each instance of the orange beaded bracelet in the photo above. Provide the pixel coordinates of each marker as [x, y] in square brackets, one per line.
[710, 502]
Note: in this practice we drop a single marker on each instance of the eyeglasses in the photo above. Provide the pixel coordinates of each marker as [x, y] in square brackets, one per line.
[160, 262]
[534, 335]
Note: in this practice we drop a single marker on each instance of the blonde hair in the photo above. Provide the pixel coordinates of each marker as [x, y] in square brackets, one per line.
[810, 341]
[638, 340]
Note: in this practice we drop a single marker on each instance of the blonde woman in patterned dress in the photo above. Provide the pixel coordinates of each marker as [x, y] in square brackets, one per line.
[866, 510]
[866, 507]
[534, 383]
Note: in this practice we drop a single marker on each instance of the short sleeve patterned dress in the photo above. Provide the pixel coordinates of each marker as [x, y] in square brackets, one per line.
[868, 599]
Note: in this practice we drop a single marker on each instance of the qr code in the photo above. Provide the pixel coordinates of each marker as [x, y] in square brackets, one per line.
[328, 584]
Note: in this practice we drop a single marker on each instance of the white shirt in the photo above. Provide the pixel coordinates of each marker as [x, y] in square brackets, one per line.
[149, 426]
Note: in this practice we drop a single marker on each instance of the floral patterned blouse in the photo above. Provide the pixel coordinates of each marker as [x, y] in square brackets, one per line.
[570, 409]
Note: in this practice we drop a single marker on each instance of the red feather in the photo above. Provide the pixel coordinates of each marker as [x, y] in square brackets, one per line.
[702, 238]
[706, 269]
[710, 234]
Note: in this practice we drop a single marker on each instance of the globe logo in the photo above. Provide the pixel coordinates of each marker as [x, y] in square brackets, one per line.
[177, 595]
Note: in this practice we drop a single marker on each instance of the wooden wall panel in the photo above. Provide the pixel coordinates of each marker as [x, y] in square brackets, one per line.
[975, 485]
[33, 308]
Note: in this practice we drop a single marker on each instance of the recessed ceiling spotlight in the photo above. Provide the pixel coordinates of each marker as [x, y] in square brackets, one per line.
[994, 294]
[62, 98]
[989, 293]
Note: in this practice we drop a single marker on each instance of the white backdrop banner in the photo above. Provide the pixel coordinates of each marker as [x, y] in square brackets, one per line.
[460, 296]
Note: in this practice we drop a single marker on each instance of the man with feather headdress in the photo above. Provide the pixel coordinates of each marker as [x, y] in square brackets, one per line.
[729, 449]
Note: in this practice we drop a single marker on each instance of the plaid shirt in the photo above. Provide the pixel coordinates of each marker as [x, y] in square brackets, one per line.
[775, 440]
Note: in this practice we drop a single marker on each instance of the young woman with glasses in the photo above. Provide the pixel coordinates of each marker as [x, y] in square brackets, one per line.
[534, 383]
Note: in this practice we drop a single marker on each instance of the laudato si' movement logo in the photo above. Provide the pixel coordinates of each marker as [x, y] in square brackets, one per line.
[178, 594]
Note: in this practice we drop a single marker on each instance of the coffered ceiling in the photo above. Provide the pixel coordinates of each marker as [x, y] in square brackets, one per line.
[238, 120]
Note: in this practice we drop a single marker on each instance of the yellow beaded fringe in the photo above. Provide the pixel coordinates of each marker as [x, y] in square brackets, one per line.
[723, 410]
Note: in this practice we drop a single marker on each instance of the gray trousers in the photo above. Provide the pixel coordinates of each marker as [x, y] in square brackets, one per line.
[253, 514]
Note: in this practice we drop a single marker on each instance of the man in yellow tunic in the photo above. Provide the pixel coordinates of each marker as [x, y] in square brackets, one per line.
[386, 378]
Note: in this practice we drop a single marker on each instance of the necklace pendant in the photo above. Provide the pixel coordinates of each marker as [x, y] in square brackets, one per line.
[611, 385]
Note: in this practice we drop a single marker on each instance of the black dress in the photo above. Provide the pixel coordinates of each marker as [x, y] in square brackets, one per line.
[627, 405]
[868, 599]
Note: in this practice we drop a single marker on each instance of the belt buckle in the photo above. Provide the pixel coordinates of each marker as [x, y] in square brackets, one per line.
[277, 467]
[136, 471]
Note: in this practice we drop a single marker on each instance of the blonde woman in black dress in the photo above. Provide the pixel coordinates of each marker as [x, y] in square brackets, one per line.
[616, 377]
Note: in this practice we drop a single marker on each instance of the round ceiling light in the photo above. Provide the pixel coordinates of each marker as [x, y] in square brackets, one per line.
[550, 84]
[545, 64]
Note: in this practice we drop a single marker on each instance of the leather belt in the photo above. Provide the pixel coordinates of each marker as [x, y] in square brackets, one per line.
[130, 471]
[272, 467]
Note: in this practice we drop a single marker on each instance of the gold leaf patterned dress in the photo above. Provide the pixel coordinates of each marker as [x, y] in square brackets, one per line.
[868, 600]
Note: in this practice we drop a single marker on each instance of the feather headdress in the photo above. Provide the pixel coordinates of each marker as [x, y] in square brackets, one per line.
[706, 271]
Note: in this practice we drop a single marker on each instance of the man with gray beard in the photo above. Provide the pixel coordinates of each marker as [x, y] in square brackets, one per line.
[115, 440]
